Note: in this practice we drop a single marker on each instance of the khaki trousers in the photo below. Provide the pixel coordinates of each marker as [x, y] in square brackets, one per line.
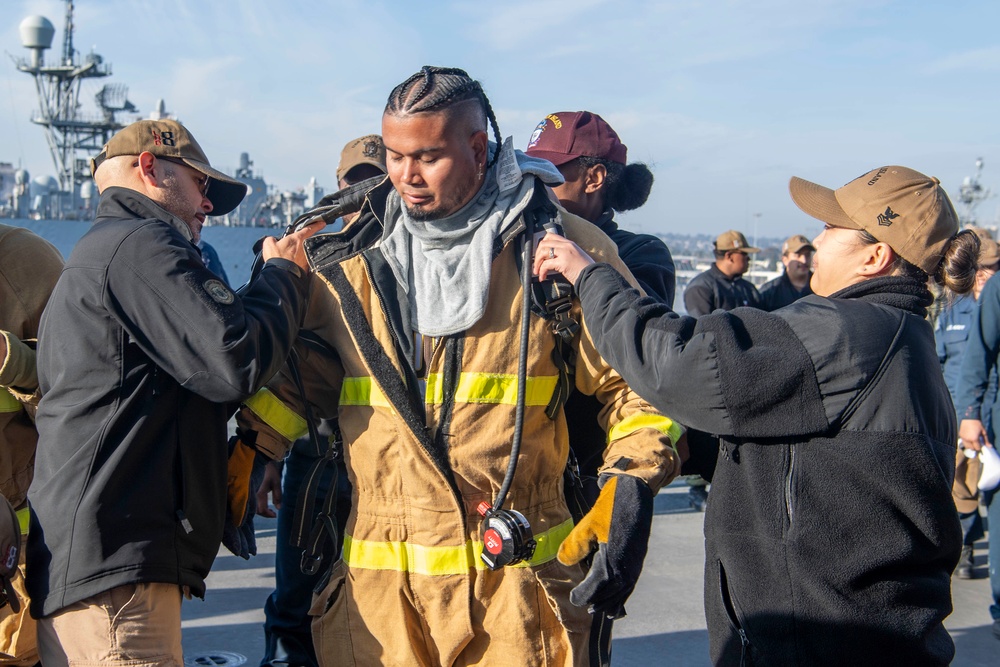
[136, 625]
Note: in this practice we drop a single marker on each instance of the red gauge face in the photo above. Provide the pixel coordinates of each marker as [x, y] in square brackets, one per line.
[492, 541]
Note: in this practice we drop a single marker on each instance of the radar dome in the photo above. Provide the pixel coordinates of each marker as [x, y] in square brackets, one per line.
[37, 32]
[45, 185]
[21, 176]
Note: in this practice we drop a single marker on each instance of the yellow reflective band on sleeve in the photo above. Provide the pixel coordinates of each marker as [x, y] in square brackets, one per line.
[7, 402]
[636, 422]
[24, 519]
[438, 561]
[493, 388]
[362, 391]
[277, 415]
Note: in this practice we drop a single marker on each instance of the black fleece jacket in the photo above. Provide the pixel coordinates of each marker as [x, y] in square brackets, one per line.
[646, 256]
[830, 535]
[140, 350]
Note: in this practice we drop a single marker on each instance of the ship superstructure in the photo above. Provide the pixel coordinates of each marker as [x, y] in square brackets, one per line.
[970, 195]
[73, 135]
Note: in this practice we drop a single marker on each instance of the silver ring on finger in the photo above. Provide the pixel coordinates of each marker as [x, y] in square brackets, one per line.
[552, 253]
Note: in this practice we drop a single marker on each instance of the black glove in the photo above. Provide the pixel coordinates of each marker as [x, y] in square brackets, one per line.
[618, 527]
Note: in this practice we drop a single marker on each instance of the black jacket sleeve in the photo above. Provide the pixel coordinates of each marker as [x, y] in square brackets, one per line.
[980, 355]
[741, 373]
[216, 344]
[649, 260]
[699, 297]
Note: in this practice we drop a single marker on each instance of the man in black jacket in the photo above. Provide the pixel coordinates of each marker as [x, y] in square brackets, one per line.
[141, 349]
[793, 284]
[722, 287]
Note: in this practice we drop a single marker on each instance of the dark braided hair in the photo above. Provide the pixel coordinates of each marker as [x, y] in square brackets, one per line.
[438, 89]
[626, 187]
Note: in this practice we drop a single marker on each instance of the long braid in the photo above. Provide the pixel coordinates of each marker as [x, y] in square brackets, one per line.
[438, 88]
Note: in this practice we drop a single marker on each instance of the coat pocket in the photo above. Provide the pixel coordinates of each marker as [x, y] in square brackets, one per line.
[736, 619]
[330, 625]
[565, 627]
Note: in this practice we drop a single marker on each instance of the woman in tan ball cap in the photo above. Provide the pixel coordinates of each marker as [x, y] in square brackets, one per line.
[830, 536]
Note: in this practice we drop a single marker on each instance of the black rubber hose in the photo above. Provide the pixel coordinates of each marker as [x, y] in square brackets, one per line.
[522, 362]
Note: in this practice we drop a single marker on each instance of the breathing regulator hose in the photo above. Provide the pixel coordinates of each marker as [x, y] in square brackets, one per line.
[340, 203]
[522, 362]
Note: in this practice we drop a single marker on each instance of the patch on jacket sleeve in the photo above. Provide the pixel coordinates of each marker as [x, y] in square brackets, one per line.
[219, 292]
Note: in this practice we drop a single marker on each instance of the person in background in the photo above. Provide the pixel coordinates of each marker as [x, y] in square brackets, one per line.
[832, 535]
[793, 284]
[287, 625]
[722, 286]
[951, 335]
[29, 269]
[143, 354]
[210, 256]
[598, 183]
[978, 408]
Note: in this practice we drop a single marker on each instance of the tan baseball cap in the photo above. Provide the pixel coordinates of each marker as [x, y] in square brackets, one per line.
[898, 206]
[169, 139]
[368, 149]
[796, 244]
[733, 240]
[10, 551]
[989, 249]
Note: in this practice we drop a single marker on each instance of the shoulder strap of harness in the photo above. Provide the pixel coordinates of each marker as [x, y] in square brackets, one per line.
[552, 300]
[310, 528]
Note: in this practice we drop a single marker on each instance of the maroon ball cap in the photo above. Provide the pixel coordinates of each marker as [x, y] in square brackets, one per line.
[567, 135]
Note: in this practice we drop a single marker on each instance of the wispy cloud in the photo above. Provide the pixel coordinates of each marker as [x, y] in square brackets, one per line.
[976, 60]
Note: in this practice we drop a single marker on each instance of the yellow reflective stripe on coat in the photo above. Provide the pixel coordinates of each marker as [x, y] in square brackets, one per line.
[23, 519]
[493, 388]
[7, 402]
[634, 423]
[437, 561]
[277, 415]
[362, 391]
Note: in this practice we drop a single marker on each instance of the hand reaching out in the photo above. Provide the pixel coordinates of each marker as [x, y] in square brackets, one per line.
[556, 254]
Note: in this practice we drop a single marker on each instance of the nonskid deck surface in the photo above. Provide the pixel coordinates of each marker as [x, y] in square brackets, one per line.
[665, 622]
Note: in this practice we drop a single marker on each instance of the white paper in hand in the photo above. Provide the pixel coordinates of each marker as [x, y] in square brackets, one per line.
[990, 478]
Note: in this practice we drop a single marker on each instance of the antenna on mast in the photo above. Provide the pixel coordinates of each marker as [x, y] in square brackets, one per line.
[970, 195]
[69, 131]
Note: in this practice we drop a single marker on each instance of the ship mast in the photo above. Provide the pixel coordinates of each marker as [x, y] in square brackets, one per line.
[970, 195]
[69, 131]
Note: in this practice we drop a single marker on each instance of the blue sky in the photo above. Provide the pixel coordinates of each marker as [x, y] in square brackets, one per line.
[724, 100]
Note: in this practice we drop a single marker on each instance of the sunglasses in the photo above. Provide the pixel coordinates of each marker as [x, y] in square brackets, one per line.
[202, 187]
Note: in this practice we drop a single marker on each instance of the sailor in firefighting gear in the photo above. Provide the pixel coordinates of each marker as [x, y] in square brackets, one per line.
[411, 342]
[29, 268]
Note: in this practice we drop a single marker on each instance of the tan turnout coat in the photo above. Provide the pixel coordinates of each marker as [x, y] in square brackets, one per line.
[29, 268]
[410, 588]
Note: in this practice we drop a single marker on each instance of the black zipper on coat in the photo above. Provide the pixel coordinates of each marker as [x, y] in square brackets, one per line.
[411, 381]
[380, 365]
[454, 347]
[734, 617]
[789, 479]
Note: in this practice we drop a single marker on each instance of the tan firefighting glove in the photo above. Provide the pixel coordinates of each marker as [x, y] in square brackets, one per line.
[616, 531]
[245, 472]
[241, 458]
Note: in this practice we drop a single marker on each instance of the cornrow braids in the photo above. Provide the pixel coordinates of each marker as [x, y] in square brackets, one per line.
[440, 88]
